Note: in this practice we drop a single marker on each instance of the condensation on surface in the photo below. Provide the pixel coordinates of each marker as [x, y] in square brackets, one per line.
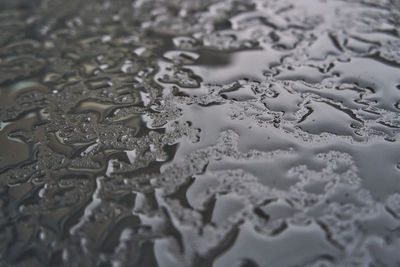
[199, 133]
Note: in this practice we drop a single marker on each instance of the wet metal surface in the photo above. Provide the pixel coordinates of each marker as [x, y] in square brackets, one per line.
[199, 133]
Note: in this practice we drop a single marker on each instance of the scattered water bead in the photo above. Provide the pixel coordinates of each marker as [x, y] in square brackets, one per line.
[393, 205]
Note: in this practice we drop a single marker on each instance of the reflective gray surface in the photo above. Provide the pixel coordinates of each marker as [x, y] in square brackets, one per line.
[199, 133]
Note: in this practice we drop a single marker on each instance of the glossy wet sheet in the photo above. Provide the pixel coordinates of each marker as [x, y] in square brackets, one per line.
[199, 133]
